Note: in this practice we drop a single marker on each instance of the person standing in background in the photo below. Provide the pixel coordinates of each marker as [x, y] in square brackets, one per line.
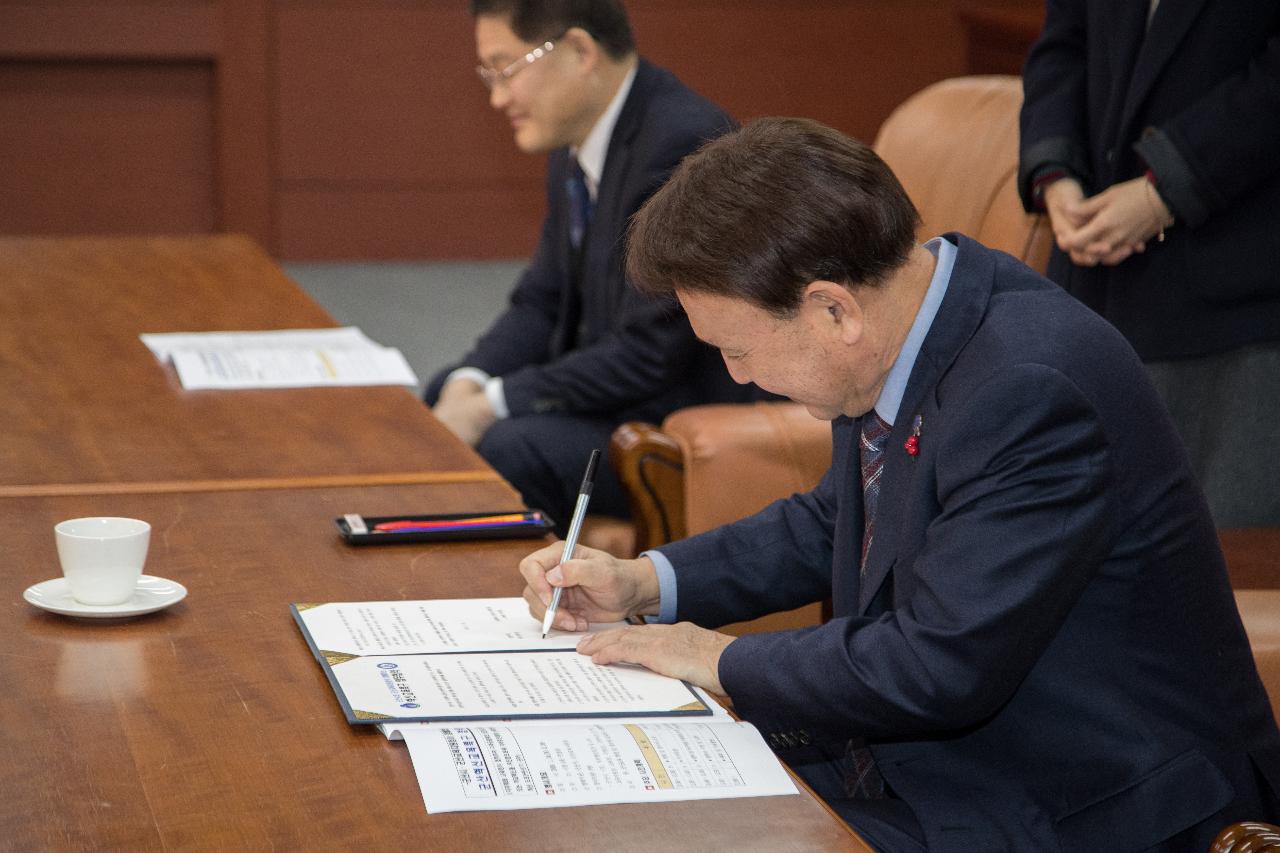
[1149, 136]
[578, 351]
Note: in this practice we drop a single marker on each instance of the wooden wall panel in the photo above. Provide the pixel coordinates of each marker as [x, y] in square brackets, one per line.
[404, 157]
[998, 34]
[847, 63]
[380, 92]
[242, 105]
[401, 155]
[96, 147]
[120, 29]
[436, 221]
[356, 128]
[106, 118]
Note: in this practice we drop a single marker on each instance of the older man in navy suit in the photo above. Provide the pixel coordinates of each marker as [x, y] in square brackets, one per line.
[1035, 645]
[578, 351]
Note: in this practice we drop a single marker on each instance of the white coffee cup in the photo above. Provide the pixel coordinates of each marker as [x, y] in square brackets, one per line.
[102, 557]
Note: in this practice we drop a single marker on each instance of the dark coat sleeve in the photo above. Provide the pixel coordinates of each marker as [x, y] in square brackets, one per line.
[1221, 146]
[1054, 109]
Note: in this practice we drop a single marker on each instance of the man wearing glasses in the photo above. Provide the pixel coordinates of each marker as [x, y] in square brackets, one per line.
[578, 351]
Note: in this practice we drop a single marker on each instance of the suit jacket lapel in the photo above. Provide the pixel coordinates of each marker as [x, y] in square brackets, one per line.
[957, 319]
[1172, 20]
[845, 434]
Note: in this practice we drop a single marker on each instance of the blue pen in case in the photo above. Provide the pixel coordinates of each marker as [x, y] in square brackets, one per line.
[390, 529]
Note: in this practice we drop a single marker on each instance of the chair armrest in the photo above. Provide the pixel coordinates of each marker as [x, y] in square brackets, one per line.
[1251, 837]
[651, 468]
[713, 464]
[738, 458]
[709, 465]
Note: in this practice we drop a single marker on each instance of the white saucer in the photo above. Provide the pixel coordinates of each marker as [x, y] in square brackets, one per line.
[151, 594]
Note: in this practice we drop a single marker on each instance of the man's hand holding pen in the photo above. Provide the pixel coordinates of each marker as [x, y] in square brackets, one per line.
[597, 587]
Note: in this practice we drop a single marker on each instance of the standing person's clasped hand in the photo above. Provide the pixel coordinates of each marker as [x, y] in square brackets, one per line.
[1108, 227]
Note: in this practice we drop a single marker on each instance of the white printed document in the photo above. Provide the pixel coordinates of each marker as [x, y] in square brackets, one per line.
[496, 718]
[428, 627]
[395, 730]
[473, 659]
[163, 345]
[290, 358]
[528, 766]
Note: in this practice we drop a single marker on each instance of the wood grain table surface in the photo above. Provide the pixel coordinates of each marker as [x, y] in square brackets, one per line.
[209, 725]
[88, 408]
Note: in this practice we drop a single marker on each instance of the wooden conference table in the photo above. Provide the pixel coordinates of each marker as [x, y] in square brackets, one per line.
[208, 726]
[89, 409]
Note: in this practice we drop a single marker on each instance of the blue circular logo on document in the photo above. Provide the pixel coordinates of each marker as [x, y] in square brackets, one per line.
[410, 705]
[387, 666]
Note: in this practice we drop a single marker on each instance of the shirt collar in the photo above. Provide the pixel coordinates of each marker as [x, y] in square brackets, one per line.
[595, 147]
[895, 385]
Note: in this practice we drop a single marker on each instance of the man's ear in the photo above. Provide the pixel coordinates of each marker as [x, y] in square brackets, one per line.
[834, 308]
[583, 45]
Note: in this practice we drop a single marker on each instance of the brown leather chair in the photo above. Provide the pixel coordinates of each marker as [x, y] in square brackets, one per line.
[954, 147]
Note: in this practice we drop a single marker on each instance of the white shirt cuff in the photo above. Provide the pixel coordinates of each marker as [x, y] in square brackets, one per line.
[475, 374]
[497, 398]
[666, 588]
[492, 386]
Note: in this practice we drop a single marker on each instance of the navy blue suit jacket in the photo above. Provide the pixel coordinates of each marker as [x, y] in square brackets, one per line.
[1043, 651]
[607, 351]
[1196, 99]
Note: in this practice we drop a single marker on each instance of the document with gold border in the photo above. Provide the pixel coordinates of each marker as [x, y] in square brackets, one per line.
[442, 667]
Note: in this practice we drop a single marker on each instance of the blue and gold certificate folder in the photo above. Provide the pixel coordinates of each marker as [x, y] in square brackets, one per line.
[473, 659]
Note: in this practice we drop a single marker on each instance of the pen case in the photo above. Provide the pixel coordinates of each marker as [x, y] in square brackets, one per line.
[500, 524]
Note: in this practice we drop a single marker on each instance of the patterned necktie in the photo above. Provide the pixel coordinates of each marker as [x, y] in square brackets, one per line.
[875, 434]
[863, 781]
[580, 204]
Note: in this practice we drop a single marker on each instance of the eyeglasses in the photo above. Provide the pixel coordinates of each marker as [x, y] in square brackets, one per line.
[492, 77]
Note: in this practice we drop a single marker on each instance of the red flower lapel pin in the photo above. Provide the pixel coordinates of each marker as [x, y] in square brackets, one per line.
[912, 444]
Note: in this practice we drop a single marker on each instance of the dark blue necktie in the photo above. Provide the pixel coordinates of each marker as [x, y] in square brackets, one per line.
[580, 205]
